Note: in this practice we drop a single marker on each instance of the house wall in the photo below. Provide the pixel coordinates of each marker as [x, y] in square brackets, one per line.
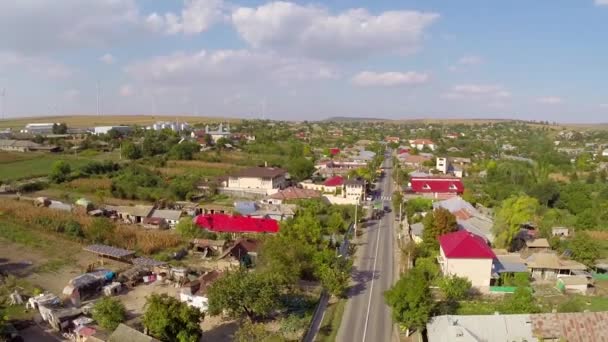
[354, 192]
[256, 182]
[478, 271]
[340, 200]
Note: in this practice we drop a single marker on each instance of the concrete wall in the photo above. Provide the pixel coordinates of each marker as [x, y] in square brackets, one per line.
[340, 200]
[478, 271]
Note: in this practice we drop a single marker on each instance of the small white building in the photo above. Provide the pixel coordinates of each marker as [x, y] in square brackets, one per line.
[174, 126]
[573, 284]
[442, 165]
[560, 231]
[170, 216]
[354, 189]
[38, 128]
[420, 144]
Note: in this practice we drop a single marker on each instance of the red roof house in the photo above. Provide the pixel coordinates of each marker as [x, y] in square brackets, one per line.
[466, 255]
[334, 151]
[221, 223]
[334, 181]
[437, 187]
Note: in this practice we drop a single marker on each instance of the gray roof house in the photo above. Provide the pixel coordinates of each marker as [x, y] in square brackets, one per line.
[480, 328]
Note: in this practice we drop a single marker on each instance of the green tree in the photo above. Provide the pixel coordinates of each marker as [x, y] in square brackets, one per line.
[455, 288]
[512, 213]
[131, 151]
[584, 249]
[187, 229]
[397, 200]
[300, 168]
[168, 319]
[252, 332]
[74, 229]
[61, 128]
[436, 223]
[411, 301]
[335, 223]
[520, 302]
[241, 292]
[184, 151]
[109, 313]
[60, 172]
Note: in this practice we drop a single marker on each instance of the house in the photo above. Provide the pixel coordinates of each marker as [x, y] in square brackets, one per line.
[277, 212]
[573, 284]
[266, 178]
[354, 189]
[221, 223]
[209, 247]
[132, 214]
[537, 245]
[412, 160]
[507, 263]
[605, 153]
[466, 255]
[392, 139]
[571, 327]
[333, 184]
[290, 194]
[206, 209]
[436, 187]
[155, 223]
[420, 144]
[10, 145]
[194, 293]
[416, 231]
[480, 328]
[242, 251]
[560, 231]
[451, 166]
[548, 266]
[170, 216]
[98, 130]
[334, 151]
[126, 333]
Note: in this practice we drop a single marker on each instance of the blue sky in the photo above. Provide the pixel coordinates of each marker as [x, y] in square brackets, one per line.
[542, 59]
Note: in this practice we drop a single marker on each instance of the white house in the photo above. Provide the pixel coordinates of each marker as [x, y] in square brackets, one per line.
[422, 143]
[38, 128]
[442, 165]
[266, 178]
[466, 255]
[174, 126]
[354, 189]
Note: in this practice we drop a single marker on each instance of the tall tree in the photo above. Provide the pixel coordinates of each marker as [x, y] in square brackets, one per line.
[60, 172]
[584, 249]
[109, 313]
[513, 212]
[438, 222]
[241, 292]
[168, 319]
[411, 300]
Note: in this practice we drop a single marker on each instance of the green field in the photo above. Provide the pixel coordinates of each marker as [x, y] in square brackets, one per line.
[38, 166]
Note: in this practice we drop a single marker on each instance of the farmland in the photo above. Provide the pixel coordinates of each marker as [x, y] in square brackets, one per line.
[32, 165]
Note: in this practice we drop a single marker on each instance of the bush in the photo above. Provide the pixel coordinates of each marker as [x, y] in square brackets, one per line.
[74, 229]
[109, 313]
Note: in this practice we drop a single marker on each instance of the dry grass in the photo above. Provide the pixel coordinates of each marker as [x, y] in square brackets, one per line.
[124, 236]
[9, 157]
[90, 121]
[598, 235]
[89, 184]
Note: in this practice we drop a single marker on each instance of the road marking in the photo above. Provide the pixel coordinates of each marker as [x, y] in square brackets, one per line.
[371, 289]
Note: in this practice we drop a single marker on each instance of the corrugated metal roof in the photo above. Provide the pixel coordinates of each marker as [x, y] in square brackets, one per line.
[108, 251]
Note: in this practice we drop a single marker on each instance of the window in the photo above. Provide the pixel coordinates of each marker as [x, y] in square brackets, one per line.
[453, 187]
[426, 187]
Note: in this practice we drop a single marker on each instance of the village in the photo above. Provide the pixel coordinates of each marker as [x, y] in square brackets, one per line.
[171, 210]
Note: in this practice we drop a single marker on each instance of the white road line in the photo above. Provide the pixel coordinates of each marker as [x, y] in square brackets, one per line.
[371, 289]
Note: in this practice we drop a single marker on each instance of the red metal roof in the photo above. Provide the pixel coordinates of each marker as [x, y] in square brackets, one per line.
[465, 245]
[333, 151]
[404, 150]
[334, 181]
[437, 185]
[222, 223]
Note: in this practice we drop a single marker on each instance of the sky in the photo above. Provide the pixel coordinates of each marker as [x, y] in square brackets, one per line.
[300, 60]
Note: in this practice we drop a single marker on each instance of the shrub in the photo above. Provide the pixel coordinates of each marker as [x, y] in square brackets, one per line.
[109, 313]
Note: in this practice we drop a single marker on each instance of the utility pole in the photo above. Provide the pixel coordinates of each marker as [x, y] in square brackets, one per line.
[356, 209]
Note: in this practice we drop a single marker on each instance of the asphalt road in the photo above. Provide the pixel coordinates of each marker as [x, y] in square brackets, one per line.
[366, 316]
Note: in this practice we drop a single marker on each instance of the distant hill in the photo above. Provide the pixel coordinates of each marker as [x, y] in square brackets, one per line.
[352, 119]
[93, 120]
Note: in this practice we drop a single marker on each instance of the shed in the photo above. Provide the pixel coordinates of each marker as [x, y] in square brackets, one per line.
[171, 216]
[573, 284]
[105, 251]
[560, 231]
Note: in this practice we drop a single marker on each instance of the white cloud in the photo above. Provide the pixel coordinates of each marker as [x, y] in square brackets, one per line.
[107, 59]
[550, 100]
[389, 79]
[603, 105]
[126, 90]
[196, 16]
[313, 31]
[477, 91]
[71, 94]
[601, 2]
[36, 27]
[35, 65]
[227, 66]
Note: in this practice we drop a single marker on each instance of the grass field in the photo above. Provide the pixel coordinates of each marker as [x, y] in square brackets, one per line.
[37, 165]
[107, 120]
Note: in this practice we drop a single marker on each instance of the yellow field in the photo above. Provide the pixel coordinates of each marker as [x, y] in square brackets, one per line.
[91, 120]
